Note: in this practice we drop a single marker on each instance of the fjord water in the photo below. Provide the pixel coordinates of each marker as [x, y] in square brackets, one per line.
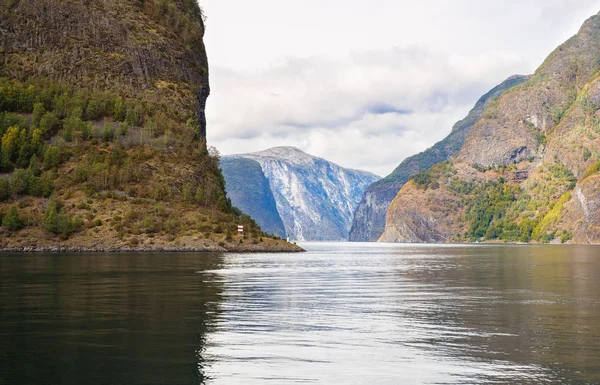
[338, 314]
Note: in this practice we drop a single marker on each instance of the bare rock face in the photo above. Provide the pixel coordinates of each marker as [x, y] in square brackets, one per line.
[529, 167]
[314, 198]
[408, 222]
[510, 129]
[581, 214]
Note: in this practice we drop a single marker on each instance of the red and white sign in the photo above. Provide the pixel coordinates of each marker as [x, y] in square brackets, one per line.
[240, 229]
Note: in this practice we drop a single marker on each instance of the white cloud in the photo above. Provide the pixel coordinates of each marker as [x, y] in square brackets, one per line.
[366, 84]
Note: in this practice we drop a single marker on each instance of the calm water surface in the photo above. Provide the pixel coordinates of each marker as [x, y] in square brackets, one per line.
[339, 314]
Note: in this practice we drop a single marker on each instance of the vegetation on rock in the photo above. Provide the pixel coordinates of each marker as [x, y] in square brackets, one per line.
[369, 219]
[102, 127]
[528, 170]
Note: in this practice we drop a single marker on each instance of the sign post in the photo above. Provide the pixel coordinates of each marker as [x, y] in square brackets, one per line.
[241, 229]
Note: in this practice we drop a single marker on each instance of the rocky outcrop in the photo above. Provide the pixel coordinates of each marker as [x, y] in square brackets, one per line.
[369, 219]
[528, 170]
[102, 103]
[315, 198]
[581, 214]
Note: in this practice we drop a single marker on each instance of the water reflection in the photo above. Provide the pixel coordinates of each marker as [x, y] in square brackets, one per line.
[414, 314]
[339, 314]
[105, 319]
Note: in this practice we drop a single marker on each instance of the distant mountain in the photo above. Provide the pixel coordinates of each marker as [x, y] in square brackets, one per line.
[315, 198]
[369, 220]
[250, 191]
[529, 169]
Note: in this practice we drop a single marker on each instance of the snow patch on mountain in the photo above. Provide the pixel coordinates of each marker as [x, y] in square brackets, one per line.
[315, 198]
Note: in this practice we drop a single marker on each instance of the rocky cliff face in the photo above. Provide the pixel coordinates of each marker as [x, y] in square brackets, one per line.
[315, 198]
[152, 50]
[250, 191]
[528, 169]
[369, 220]
[103, 129]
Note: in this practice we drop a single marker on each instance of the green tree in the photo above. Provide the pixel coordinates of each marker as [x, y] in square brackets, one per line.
[51, 158]
[119, 109]
[133, 114]
[35, 166]
[93, 110]
[49, 123]
[61, 105]
[11, 143]
[38, 113]
[51, 220]
[199, 196]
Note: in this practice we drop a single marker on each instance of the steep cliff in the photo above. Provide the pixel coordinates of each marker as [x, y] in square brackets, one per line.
[369, 220]
[528, 170]
[250, 192]
[315, 198]
[103, 129]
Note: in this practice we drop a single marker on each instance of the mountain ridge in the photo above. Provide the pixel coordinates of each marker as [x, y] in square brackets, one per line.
[315, 198]
[369, 219]
[528, 171]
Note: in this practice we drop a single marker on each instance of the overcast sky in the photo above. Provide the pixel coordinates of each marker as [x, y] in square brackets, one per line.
[367, 83]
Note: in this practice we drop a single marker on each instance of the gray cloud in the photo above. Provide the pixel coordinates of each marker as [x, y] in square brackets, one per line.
[367, 84]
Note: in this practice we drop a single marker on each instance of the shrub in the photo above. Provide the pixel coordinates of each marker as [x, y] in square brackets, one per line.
[61, 224]
[19, 182]
[40, 186]
[119, 109]
[593, 169]
[4, 189]
[540, 138]
[566, 237]
[81, 173]
[123, 128]
[11, 219]
[108, 132]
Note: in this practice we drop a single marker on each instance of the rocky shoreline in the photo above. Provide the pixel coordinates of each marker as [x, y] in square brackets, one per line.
[150, 249]
[36, 241]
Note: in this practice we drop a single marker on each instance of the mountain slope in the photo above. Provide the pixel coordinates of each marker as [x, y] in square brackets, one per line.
[315, 198]
[369, 220]
[250, 191]
[103, 129]
[528, 170]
